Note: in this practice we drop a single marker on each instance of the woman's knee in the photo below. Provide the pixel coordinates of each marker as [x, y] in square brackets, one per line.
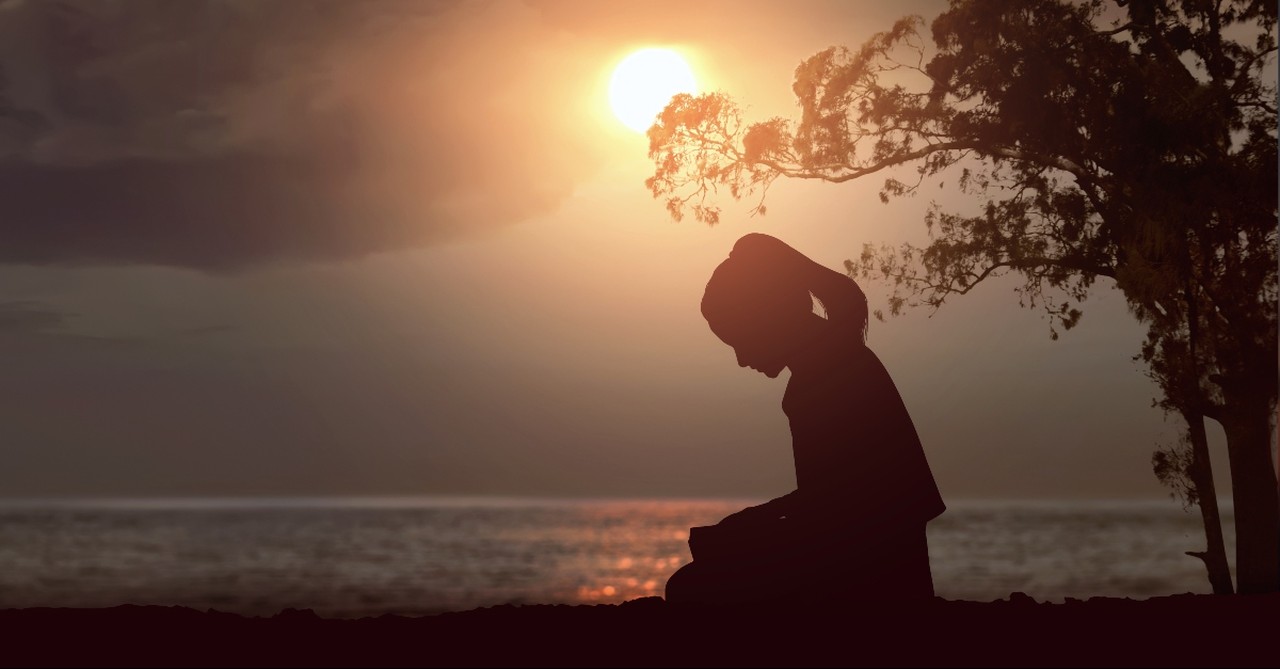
[685, 585]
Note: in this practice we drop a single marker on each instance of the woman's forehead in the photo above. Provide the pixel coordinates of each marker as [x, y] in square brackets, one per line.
[729, 333]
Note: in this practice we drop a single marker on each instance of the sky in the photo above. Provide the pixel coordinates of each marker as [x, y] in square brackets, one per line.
[403, 248]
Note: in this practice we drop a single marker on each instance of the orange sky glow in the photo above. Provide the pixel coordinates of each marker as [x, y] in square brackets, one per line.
[485, 299]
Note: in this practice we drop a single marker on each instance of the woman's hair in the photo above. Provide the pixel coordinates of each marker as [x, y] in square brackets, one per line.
[764, 280]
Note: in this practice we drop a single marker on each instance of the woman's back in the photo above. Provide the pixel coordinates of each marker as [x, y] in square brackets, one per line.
[857, 453]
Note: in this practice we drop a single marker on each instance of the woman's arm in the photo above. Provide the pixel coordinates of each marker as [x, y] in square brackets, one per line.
[762, 513]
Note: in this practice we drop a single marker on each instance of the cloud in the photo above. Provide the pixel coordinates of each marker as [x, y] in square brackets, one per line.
[23, 316]
[218, 135]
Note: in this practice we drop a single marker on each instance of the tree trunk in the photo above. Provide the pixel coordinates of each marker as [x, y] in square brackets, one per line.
[1201, 471]
[1201, 475]
[1257, 504]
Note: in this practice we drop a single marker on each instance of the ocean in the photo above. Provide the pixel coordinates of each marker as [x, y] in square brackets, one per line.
[413, 556]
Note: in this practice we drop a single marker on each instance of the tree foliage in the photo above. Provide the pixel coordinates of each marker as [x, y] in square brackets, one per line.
[1130, 141]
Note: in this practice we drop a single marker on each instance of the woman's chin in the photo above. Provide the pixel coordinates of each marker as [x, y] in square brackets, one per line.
[771, 372]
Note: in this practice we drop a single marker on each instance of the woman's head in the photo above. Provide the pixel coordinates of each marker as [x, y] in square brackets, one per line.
[760, 302]
[755, 312]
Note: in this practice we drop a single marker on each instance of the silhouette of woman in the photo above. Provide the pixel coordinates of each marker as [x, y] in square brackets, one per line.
[855, 525]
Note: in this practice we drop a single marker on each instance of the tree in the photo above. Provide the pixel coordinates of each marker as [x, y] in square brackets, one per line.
[1128, 141]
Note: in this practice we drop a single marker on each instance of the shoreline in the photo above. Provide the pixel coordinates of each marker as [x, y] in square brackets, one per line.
[1175, 630]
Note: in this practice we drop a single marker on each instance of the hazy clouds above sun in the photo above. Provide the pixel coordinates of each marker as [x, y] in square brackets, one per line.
[223, 134]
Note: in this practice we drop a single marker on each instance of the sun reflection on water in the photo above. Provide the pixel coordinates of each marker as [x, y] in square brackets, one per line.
[628, 578]
[639, 549]
[354, 560]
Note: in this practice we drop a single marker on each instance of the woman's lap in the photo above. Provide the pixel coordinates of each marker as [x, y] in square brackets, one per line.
[888, 564]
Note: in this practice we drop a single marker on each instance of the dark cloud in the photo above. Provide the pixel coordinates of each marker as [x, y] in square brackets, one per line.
[216, 212]
[24, 316]
[30, 321]
[221, 134]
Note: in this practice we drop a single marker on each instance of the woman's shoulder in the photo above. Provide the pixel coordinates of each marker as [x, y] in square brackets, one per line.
[850, 355]
[847, 368]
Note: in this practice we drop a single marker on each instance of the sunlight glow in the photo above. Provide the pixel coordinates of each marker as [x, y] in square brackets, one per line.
[643, 84]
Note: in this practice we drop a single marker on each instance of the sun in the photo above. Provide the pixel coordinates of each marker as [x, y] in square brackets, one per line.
[643, 84]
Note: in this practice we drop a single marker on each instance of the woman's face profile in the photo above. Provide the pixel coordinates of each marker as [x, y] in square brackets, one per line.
[762, 348]
[758, 310]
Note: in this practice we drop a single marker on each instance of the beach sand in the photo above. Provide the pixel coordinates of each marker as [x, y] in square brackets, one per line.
[1179, 630]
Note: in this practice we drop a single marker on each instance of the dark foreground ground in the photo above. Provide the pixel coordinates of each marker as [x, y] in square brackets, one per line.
[1182, 630]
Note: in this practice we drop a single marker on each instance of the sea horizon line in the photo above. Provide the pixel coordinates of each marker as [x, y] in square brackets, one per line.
[428, 500]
